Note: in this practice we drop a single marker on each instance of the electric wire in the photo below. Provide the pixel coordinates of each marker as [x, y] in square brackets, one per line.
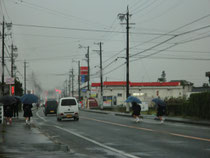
[3, 5]
[181, 34]
[183, 26]
[195, 39]
[162, 13]
[157, 52]
[147, 6]
[139, 6]
[163, 42]
[56, 12]
[88, 30]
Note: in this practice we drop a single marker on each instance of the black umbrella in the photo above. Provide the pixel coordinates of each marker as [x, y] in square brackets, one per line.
[7, 100]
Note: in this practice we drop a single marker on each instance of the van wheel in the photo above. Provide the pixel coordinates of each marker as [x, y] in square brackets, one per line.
[76, 119]
[45, 114]
[58, 119]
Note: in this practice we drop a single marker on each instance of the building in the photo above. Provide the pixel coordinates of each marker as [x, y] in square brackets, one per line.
[145, 91]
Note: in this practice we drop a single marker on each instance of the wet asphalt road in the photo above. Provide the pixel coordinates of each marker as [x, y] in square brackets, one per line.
[109, 136]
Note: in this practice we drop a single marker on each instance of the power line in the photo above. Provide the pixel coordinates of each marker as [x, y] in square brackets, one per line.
[162, 13]
[163, 42]
[190, 23]
[179, 58]
[146, 56]
[147, 6]
[184, 33]
[56, 12]
[139, 5]
[3, 4]
[185, 51]
[171, 47]
[88, 30]
[115, 68]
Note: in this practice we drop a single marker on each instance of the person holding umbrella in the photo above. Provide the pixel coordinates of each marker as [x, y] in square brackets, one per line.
[28, 100]
[136, 108]
[8, 113]
[161, 109]
[8, 102]
[136, 111]
[27, 112]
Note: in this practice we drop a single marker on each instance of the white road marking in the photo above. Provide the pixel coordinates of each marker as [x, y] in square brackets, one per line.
[90, 140]
[97, 143]
[37, 114]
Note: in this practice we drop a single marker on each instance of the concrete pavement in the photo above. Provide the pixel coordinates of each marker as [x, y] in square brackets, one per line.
[167, 118]
[21, 140]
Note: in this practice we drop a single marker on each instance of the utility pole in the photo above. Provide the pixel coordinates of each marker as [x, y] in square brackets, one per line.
[127, 54]
[25, 77]
[79, 93]
[66, 86]
[88, 60]
[72, 75]
[101, 74]
[126, 17]
[2, 79]
[12, 60]
[69, 84]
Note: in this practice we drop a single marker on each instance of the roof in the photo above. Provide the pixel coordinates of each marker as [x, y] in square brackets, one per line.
[183, 82]
[136, 84]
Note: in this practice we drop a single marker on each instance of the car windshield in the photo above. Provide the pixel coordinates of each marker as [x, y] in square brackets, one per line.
[68, 102]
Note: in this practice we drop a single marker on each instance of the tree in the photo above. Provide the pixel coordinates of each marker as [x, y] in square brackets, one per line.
[163, 77]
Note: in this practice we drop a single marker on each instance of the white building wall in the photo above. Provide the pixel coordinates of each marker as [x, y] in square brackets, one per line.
[146, 94]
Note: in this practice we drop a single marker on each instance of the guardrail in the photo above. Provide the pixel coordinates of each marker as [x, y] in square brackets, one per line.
[1, 114]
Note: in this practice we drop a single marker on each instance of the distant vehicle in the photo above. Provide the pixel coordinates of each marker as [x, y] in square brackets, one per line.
[51, 107]
[68, 108]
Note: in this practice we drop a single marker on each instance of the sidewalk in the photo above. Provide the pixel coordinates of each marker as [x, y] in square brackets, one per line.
[167, 119]
[20, 140]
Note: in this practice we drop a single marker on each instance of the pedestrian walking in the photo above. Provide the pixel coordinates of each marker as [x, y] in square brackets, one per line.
[161, 109]
[136, 111]
[161, 112]
[8, 113]
[27, 112]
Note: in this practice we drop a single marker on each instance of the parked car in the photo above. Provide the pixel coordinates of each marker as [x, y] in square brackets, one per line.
[68, 108]
[50, 107]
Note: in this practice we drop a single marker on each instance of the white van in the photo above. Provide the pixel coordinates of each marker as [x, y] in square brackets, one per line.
[68, 108]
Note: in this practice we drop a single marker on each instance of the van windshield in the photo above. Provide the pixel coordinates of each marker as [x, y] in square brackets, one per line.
[68, 102]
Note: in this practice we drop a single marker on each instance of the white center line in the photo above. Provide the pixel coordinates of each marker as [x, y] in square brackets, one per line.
[97, 143]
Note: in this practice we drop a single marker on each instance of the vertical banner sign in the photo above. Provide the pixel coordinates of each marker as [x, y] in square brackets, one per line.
[84, 73]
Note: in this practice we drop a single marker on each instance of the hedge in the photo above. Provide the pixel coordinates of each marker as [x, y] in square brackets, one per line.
[198, 105]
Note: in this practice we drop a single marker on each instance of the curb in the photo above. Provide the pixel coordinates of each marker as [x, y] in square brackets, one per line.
[201, 123]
